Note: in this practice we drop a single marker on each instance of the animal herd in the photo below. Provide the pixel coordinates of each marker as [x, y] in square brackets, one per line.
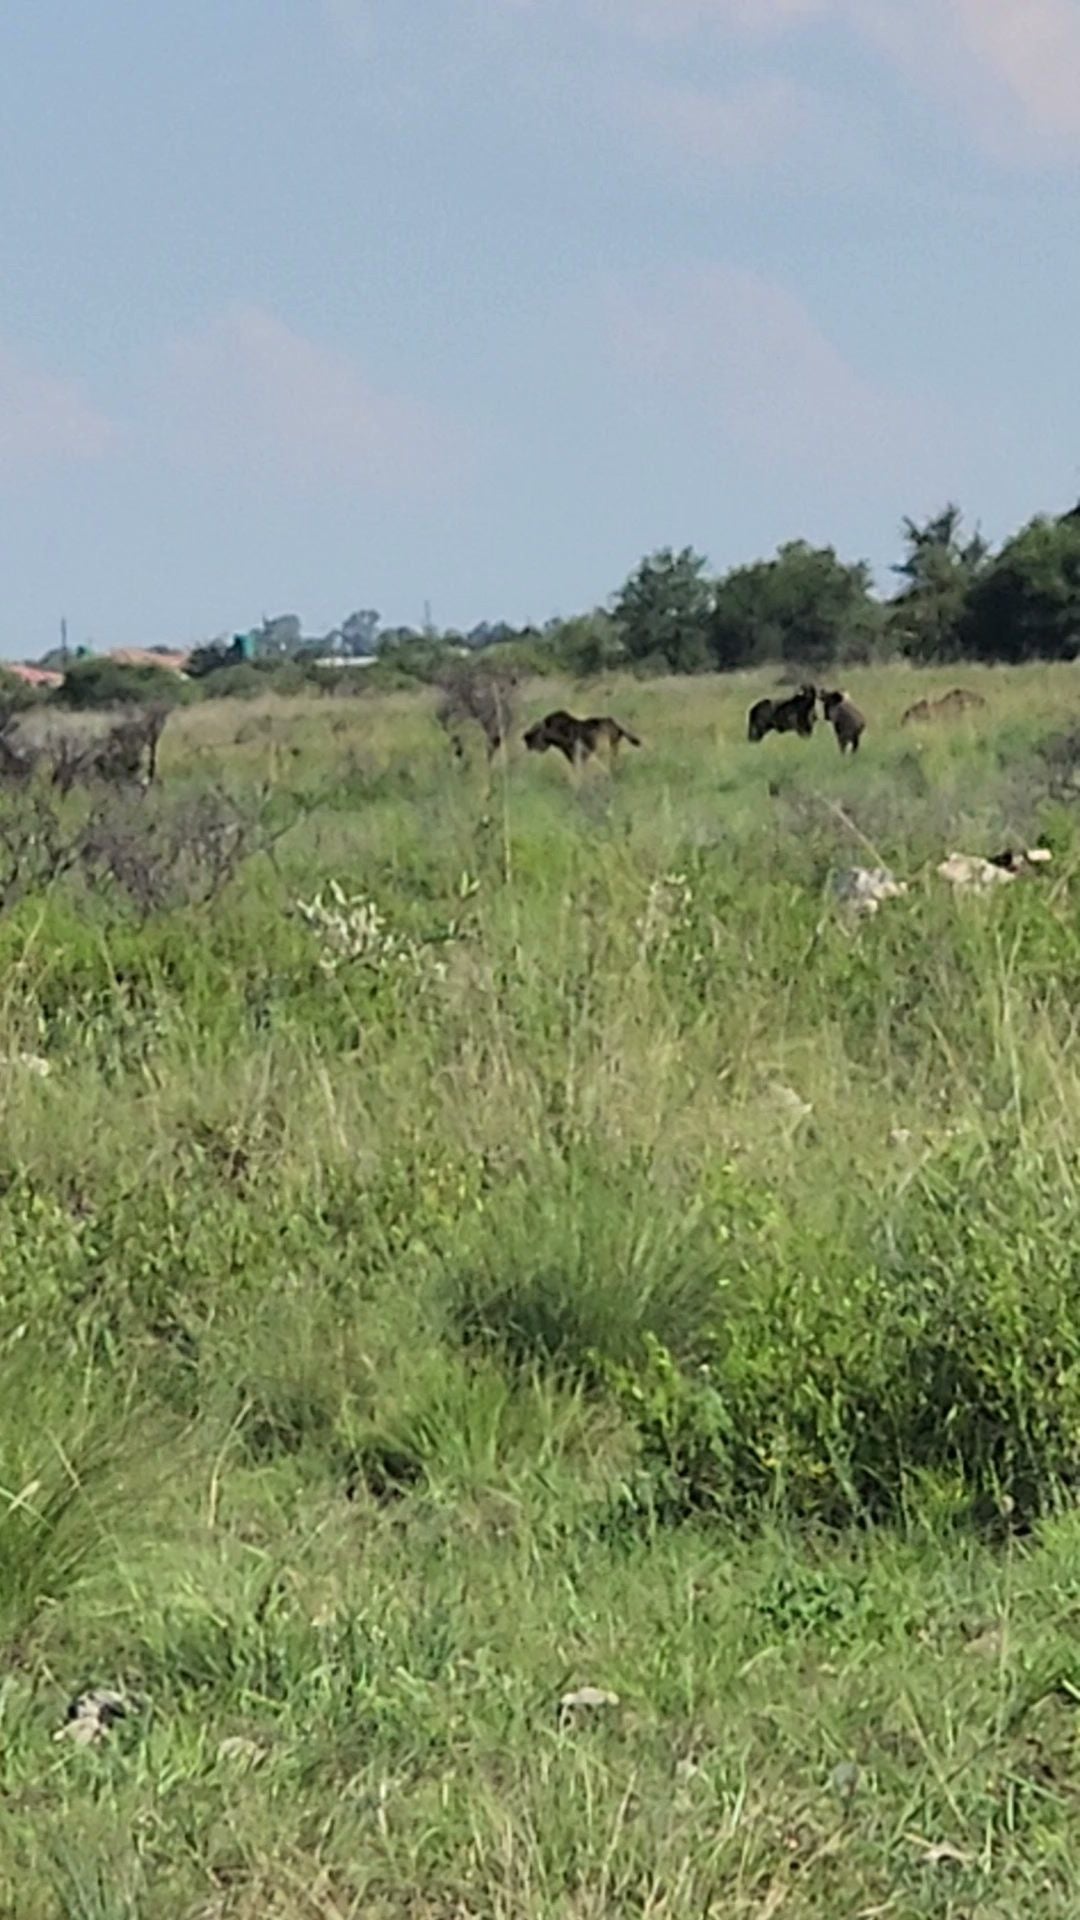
[797, 713]
[579, 739]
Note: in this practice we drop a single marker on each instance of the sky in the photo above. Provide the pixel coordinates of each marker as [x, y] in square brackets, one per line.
[311, 305]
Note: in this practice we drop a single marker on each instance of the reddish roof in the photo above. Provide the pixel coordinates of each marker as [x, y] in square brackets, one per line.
[31, 676]
[142, 657]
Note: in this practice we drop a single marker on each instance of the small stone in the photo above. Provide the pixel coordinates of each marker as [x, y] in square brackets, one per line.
[236, 1747]
[585, 1700]
[844, 1779]
[988, 1643]
[900, 1137]
[942, 1853]
[970, 873]
[789, 1101]
[34, 1063]
[90, 1716]
[861, 890]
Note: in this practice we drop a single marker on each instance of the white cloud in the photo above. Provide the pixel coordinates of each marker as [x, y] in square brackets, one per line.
[47, 420]
[751, 125]
[247, 391]
[1035, 47]
[1010, 68]
[764, 378]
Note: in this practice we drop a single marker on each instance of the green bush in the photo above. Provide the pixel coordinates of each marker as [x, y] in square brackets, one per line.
[16, 696]
[110, 683]
[250, 678]
[831, 1388]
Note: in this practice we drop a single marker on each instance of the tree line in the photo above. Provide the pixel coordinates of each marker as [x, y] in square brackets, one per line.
[955, 598]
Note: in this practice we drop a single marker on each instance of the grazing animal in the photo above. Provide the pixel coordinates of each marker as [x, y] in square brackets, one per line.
[794, 715]
[845, 719]
[577, 739]
[957, 700]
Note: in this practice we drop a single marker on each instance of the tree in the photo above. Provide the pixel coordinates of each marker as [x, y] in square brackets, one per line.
[489, 633]
[589, 644]
[360, 632]
[1026, 603]
[391, 638]
[282, 634]
[662, 614]
[805, 606]
[208, 659]
[939, 569]
[111, 683]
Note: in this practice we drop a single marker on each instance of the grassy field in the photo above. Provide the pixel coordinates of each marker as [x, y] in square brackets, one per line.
[507, 1235]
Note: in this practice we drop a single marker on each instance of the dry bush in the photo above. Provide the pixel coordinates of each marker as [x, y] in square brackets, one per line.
[182, 854]
[18, 760]
[36, 847]
[157, 853]
[485, 695]
[126, 755]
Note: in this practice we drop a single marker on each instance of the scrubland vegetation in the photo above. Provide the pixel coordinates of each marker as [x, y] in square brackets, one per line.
[470, 1233]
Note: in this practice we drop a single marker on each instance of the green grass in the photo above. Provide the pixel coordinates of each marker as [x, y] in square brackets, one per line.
[617, 1272]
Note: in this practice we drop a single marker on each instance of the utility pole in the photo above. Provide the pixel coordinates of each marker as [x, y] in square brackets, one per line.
[63, 640]
[428, 627]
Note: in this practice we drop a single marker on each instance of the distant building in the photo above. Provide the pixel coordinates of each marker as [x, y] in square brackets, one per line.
[31, 676]
[339, 660]
[149, 657]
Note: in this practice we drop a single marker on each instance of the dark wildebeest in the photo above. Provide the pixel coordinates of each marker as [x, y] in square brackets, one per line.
[577, 739]
[794, 715]
[845, 719]
[957, 700]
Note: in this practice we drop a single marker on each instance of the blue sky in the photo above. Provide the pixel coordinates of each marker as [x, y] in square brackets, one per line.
[314, 304]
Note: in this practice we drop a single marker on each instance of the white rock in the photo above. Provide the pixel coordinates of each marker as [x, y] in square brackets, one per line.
[34, 1063]
[236, 1747]
[862, 889]
[90, 1716]
[791, 1102]
[585, 1700]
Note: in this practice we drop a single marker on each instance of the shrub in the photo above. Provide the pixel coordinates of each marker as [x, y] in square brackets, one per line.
[16, 696]
[179, 853]
[480, 693]
[837, 1383]
[110, 683]
[244, 680]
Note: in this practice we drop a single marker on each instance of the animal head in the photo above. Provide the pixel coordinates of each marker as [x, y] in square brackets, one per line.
[535, 737]
[830, 702]
[759, 720]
